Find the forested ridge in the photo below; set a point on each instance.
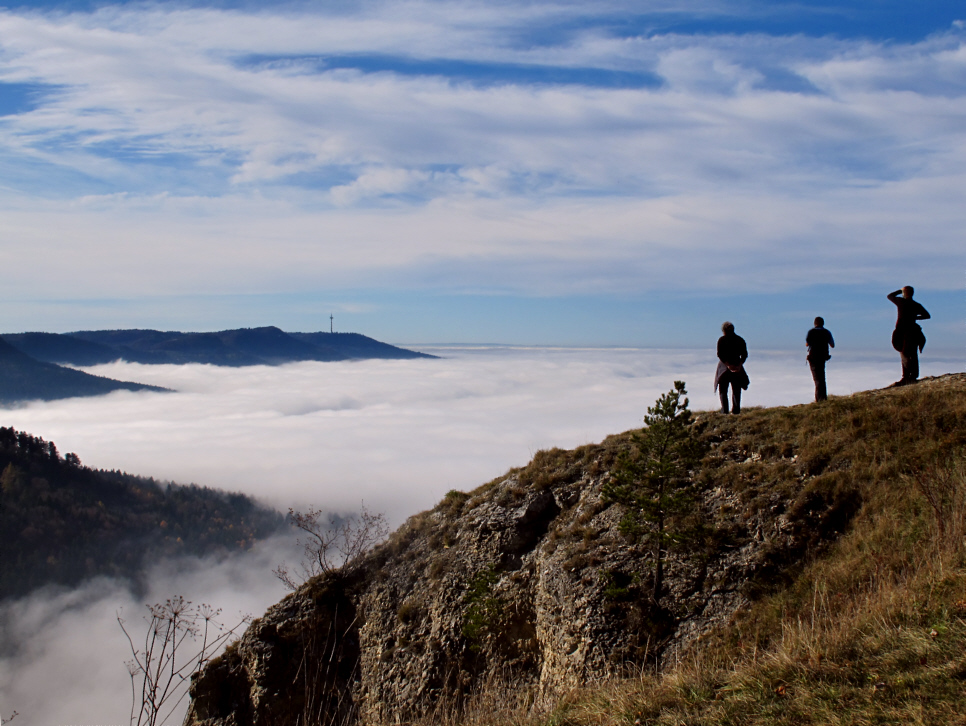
(240, 347)
(32, 364)
(62, 522)
(25, 378)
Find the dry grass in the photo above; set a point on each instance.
(873, 634)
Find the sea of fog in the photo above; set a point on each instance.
(395, 434)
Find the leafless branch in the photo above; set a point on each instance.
(331, 543)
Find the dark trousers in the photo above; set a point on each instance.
(726, 382)
(907, 340)
(818, 375)
(910, 362)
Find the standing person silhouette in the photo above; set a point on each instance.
(908, 337)
(819, 340)
(732, 354)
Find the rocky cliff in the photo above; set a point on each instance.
(528, 583)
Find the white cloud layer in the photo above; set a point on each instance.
(63, 653)
(398, 434)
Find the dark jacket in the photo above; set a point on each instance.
(908, 334)
(732, 353)
(819, 340)
(909, 311)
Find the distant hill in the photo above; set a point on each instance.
(241, 347)
(61, 522)
(354, 345)
(24, 378)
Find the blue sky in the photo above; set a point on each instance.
(557, 173)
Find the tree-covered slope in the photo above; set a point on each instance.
(62, 522)
(57, 348)
(240, 347)
(356, 346)
(23, 378)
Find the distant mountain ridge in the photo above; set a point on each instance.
(240, 347)
(24, 378)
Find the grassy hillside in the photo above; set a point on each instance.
(868, 628)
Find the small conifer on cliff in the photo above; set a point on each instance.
(652, 479)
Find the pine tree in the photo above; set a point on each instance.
(652, 478)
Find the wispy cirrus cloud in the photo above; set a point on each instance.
(177, 84)
(540, 148)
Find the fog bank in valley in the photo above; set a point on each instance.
(63, 654)
(397, 434)
(400, 434)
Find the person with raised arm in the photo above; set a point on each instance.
(908, 338)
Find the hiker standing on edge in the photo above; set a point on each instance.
(732, 354)
(908, 337)
(819, 340)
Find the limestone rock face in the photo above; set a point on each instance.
(527, 581)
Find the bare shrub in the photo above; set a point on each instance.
(330, 543)
(181, 638)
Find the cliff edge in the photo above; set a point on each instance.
(527, 584)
